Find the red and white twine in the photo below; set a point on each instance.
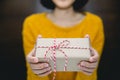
(59, 47)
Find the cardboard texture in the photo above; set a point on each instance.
(45, 47)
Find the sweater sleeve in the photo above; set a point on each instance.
(28, 45)
(28, 40)
(98, 41)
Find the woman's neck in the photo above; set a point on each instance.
(65, 17)
(63, 13)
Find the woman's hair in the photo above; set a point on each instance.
(77, 5)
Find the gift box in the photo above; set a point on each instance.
(63, 54)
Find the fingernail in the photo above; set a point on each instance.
(35, 60)
(39, 36)
(46, 65)
(82, 63)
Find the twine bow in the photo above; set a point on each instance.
(53, 49)
(59, 46)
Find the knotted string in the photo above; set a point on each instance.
(53, 48)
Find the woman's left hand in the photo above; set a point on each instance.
(89, 66)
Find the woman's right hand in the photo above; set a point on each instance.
(38, 67)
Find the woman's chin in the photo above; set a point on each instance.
(63, 7)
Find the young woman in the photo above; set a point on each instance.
(66, 20)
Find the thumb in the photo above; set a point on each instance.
(31, 57)
(39, 36)
(94, 55)
(87, 36)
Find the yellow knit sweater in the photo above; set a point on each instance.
(39, 24)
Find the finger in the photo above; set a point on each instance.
(31, 57)
(94, 55)
(86, 72)
(42, 71)
(39, 65)
(88, 65)
(39, 36)
(32, 52)
(87, 36)
(46, 73)
(86, 69)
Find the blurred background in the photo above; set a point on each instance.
(12, 14)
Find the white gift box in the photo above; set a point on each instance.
(63, 52)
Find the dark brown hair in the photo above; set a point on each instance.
(77, 5)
